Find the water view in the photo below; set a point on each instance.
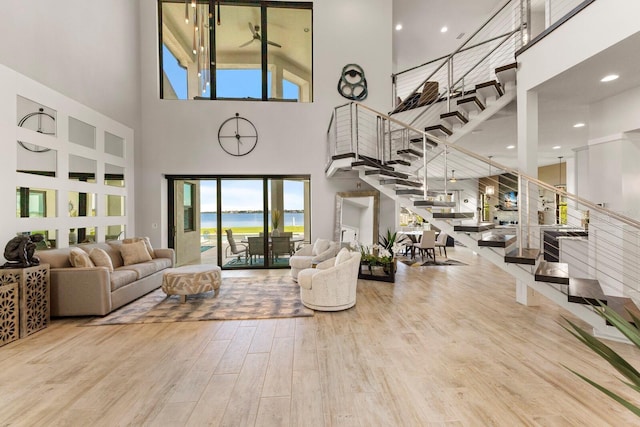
(247, 219)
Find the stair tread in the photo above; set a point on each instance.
(368, 163)
(409, 152)
(387, 172)
(493, 84)
(497, 240)
(585, 291)
(438, 203)
(452, 215)
(553, 272)
(473, 227)
(454, 115)
(401, 182)
(472, 100)
(526, 256)
(398, 162)
(441, 128)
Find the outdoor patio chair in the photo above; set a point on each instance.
(256, 248)
(238, 249)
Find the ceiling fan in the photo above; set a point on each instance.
(255, 31)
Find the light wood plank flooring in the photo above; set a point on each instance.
(441, 346)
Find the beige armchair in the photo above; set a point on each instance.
(309, 255)
(331, 286)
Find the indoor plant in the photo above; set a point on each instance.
(629, 330)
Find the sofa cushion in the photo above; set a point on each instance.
(100, 258)
(320, 246)
(79, 258)
(111, 250)
(343, 256)
(147, 243)
(121, 277)
(134, 253)
(142, 269)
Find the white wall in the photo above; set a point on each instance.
(180, 137)
(85, 50)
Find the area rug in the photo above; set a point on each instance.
(442, 263)
(238, 298)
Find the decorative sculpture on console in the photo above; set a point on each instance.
(19, 251)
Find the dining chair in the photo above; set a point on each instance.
(427, 244)
(280, 246)
(256, 248)
(441, 242)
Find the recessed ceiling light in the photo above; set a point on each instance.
(398, 27)
(609, 78)
(578, 125)
(444, 29)
(556, 147)
(510, 147)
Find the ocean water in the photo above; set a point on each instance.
(209, 219)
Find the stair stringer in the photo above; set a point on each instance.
(525, 274)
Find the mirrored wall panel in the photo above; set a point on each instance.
(82, 204)
(82, 169)
(35, 202)
(35, 116)
(115, 205)
(49, 240)
(82, 133)
(82, 235)
(37, 163)
(113, 175)
(113, 145)
(115, 232)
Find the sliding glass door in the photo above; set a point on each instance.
(241, 221)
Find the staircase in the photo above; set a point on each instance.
(587, 254)
(414, 166)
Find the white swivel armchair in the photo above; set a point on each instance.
(331, 286)
(309, 255)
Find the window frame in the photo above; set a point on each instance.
(264, 7)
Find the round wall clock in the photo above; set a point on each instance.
(41, 122)
(237, 136)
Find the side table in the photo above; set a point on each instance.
(34, 297)
(9, 317)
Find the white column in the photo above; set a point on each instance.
(528, 164)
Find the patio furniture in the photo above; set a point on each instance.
(234, 248)
(256, 248)
(280, 246)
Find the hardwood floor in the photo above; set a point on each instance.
(441, 346)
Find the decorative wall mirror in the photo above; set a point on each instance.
(357, 217)
(82, 133)
(113, 175)
(113, 145)
(82, 169)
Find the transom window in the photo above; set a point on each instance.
(234, 49)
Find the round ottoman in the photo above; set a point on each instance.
(190, 280)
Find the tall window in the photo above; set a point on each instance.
(236, 49)
(189, 199)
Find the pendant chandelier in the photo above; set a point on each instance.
(195, 13)
(490, 190)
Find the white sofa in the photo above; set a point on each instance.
(307, 256)
(331, 286)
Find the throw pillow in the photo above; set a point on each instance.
(134, 253)
(320, 246)
(79, 258)
(146, 241)
(100, 258)
(343, 256)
